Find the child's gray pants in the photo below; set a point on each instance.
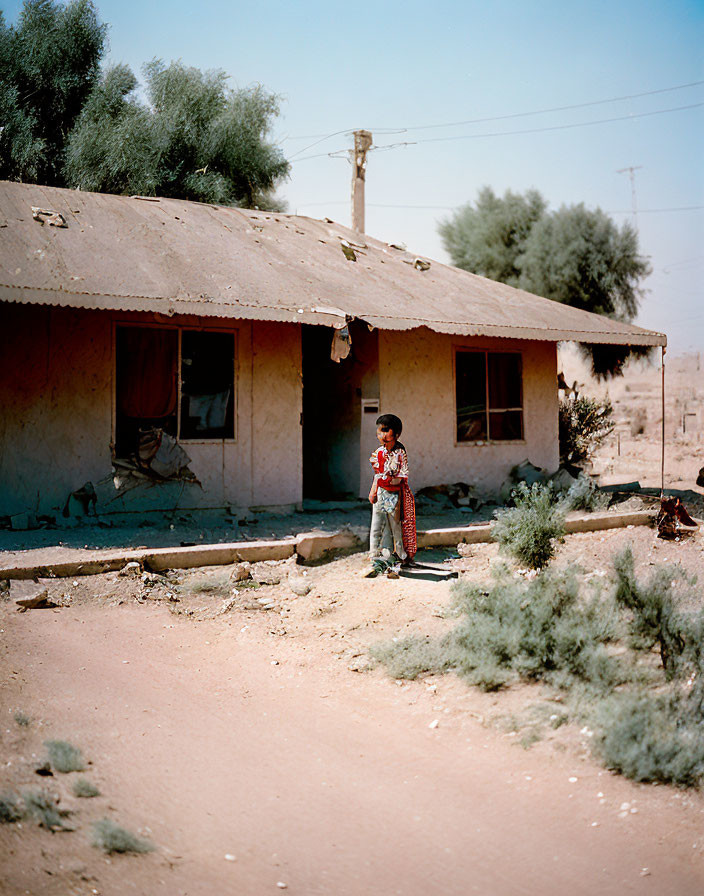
(385, 531)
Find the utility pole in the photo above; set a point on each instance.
(362, 145)
(631, 173)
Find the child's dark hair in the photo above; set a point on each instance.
(392, 422)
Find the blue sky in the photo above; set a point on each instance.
(395, 67)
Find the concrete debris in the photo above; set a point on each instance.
(29, 595)
(269, 572)
(564, 478)
(528, 472)
(299, 586)
(81, 502)
(524, 472)
(314, 546)
(38, 602)
(23, 521)
(48, 216)
(457, 494)
(231, 602)
(133, 568)
(241, 572)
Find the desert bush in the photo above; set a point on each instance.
(64, 757)
(10, 808)
(44, 808)
(584, 424)
(539, 629)
(584, 494)
(22, 719)
(529, 530)
(83, 788)
(655, 618)
(110, 837)
(410, 657)
(638, 420)
(652, 738)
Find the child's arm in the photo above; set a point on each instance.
(402, 472)
(374, 461)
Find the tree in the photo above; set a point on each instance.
(489, 239)
(196, 139)
(577, 256)
(49, 63)
(580, 257)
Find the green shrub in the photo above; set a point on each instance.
(10, 808)
(584, 494)
(44, 808)
(409, 657)
(539, 629)
(652, 738)
(529, 530)
(83, 788)
(110, 837)
(655, 617)
(64, 757)
(583, 425)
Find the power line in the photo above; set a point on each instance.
(449, 124)
(561, 127)
(681, 208)
(616, 99)
(556, 127)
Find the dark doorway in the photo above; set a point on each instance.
(332, 410)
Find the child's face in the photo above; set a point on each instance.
(386, 437)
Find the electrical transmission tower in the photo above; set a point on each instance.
(631, 174)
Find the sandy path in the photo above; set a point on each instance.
(311, 775)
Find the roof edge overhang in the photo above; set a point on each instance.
(318, 315)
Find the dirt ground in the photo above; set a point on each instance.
(252, 725)
(243, 729)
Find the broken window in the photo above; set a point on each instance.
(207, 385)
(146, 387)
(489, 396)
(150, 393)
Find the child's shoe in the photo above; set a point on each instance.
(377, 567)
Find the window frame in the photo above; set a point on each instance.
(181, 328)
(488, 410)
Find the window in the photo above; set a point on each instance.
(197, 404)
(489, 396)
(207, 385)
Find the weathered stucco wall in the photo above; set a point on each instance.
(277, 463)
(417, 384)
(56, 416)
(55, 404)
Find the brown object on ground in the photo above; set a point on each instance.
(673, 520)
(700, 478)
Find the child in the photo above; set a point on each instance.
(389, 494)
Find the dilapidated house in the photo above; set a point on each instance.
(158, 353)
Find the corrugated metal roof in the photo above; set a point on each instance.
(178, 257)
